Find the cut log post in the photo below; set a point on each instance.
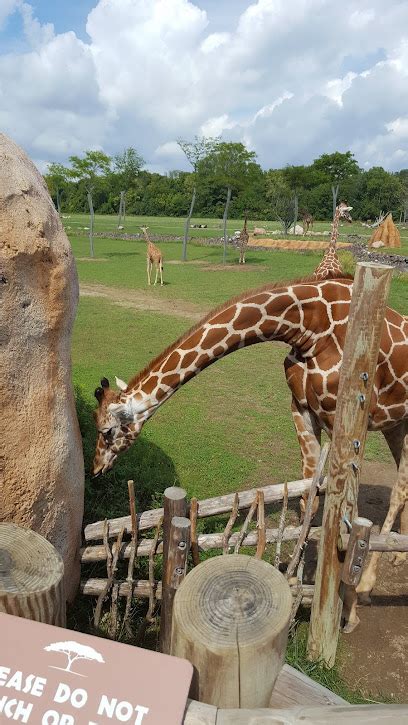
(230, 620)
(31, 576)
(361, 347)
(173, 574)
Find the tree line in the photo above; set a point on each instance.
(226, 179)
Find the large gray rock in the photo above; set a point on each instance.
(43, 482)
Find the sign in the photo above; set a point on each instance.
(54, 676)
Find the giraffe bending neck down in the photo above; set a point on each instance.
(311, 316)
(330, 265)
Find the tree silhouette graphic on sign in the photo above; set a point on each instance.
(74, 651)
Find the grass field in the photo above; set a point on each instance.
(228, 429)
(175, 226)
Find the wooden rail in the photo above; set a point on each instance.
(207, 507)
(392, 542)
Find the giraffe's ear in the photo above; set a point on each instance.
(120, 383)
(348, 208)
(121, 411)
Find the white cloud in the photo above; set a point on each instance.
(154, 70)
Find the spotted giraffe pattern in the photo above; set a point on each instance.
(311, 317)
(330, 265)
(307, 221)
(243, 242)
(154, 258)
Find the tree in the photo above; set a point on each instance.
(231, 166)
(195, 151)
(281, 198)
(74, 651)
(127, 166)
(336, 167)
(56, 179)
(93, 165)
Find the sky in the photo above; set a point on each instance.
(291, 79)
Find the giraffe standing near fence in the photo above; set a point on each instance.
(154, 257)
(243, 241)
(311, 316)
(330, 265)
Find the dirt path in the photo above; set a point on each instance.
(293, 244)
(375, 655)
(139, 300)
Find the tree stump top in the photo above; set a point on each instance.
(28, 562)
(233, 599)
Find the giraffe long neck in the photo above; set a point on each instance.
(284, 314)
(335, 229)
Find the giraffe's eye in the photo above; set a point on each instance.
(107, 434)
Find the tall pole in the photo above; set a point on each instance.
(361, 348)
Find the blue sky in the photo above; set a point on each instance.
(292, 80)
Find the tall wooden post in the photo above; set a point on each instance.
(174, 504)
(362, 344)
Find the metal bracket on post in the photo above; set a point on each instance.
(357, 551)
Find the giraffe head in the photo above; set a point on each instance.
(116, 424)
(345, 211)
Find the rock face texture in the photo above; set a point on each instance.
(43, 474)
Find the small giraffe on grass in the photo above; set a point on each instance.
(154, 257)
(243, 241)
(308, 221)
(330, 265)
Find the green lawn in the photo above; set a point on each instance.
(231, 426)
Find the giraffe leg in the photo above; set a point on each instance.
(157, 274)
(148, 271)
(395, 440)
(308, 432)
(399, 496)
(161, 274)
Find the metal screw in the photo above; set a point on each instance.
(356, 445)
(179, 570)
(362, 544)
(361, 397)
(356, 568)
(364, 376)
(182, 545)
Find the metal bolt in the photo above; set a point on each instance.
(364, 376)
(182, 545)
(362, 544)
(361, 398)
(356, 568)
(356, 445)
(179, 570)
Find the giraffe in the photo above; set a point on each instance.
(243, 241)
(154, 256)
(307, 221)
(309, 315)
(330, 264)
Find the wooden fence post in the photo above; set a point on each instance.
(230, 620)
(174, 504)
(362, 344)
(173, 575)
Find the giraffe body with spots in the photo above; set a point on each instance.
(311, 316)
